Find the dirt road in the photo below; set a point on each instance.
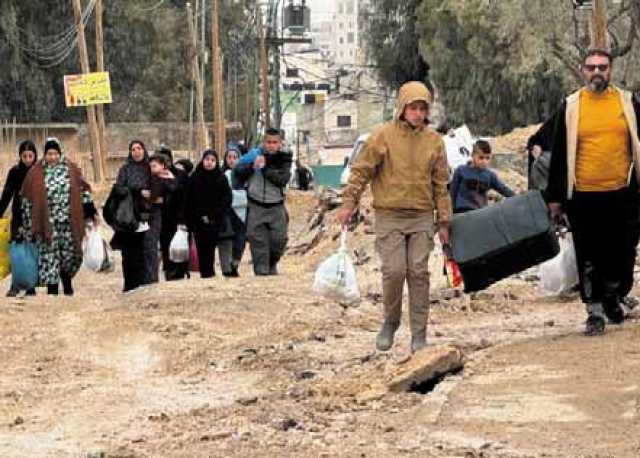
(262, 367)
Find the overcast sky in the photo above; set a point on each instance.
(320, 9)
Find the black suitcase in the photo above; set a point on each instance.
(501, 240)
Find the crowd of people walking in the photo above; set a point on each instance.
(229, 199)
(215, 202)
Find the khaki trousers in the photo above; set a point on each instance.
(404, 241)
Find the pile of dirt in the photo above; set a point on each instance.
(515, 141)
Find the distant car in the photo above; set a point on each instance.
(348, 161)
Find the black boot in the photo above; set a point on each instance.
(31, 292)
(612, 310)
(66, 285)
(595, 321)
(12, 293)
(52, 289)
(612, 303)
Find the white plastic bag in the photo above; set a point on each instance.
(336, 277)
(560, 274)
(179, 248)
(93, 252)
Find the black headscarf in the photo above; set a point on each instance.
(22, 168)
(203, 178)
(135, 175)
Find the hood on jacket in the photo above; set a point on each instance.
(53, 143)
(410, 92)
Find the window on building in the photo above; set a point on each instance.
(293, 72)
(351, 37)
(341, 25)
(344, 121)
(341, 40)
(340, 8)
(350, 7)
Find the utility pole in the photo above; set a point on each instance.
(218, 83)
(235, 94)
(600, 34)
(264, 74)
(276, 95)
(91, 113)
(202, 140)
(276, 67)
(102, 125)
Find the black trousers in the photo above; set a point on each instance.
(206, 241)
(239, 238)
(133, 260)
(605, 235)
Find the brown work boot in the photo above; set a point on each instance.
(384, 340)
(418, 340)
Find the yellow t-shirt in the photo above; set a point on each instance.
(603, 159)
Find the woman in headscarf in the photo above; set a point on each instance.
(207, 204)
(56, 205)
(27, 155)
(135, 175)
(171, 217)
(238, 212)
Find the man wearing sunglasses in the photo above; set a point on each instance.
(593, 178)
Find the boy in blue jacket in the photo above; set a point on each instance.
(472, 182)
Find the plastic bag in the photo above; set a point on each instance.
(24, 265)
(194, 263)
(179, 248)
(336, 277)
(93, 251)
(107, 264)
(5, 241)
(560, 274)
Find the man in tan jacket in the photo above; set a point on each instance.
(405, 162)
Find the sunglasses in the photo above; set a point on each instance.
(592, 68)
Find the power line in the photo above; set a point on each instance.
(53, 54)
(152, 8)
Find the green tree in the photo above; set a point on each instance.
(145, 53)
(392, 41)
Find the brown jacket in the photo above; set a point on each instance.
(34, 190)
(406, 166)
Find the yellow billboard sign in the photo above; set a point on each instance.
(87, 89)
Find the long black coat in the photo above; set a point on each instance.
(11, 193)
(208, 195)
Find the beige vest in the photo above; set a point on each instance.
(572, 121)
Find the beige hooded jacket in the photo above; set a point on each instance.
(406, 166)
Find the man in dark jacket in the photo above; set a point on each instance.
(595, 165)
(266, 171)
